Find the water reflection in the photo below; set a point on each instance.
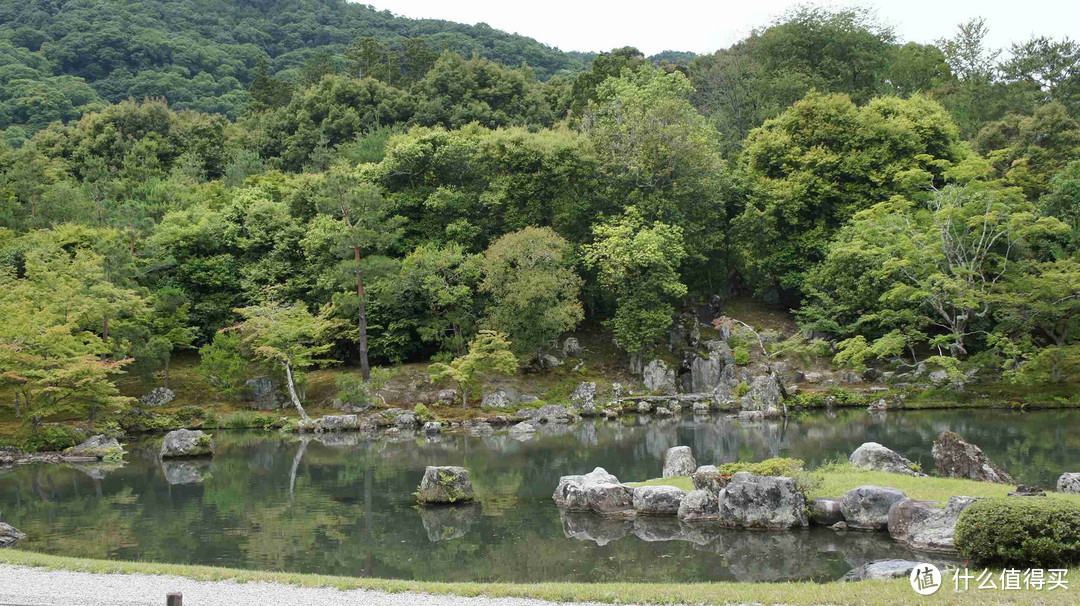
(343, 504)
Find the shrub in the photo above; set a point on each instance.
(49, 438)
(1020, 532)
(742, 389)
(770, 467)
(742, 356)
(353, 390)
(222, 364)
(190, 413)
(422, 413)
(246, 419)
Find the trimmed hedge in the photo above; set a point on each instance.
(769, 467)
(1020, 532)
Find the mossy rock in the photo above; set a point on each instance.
(445, 485)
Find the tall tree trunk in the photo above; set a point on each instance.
(292, 391)
(365, 367)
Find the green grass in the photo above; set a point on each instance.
(868, 593)
(836, 479)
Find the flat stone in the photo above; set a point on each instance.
(880, 570)
(658, 500)
(923, 526)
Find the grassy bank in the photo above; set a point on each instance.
(836, 479)
(870, 593)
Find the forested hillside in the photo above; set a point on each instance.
(388, 200)
(203, 54)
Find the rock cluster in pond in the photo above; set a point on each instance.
(158, 396)
(956, 458)
(445, 485)
(874, 456)
(923, 526)
(679, 461)
(187, 443)
(1069, 482)
(97, 448)
(10, 536)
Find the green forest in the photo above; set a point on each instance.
(309, 183)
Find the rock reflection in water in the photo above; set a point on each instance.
(187, 471)
(448, 522)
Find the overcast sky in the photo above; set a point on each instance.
(707, 25)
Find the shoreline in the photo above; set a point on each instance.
(806, 593)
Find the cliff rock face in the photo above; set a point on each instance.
(956, 458)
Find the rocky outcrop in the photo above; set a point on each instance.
(97, 447)
(187, 443)
(880, 570)
(708, 477)
(699, 505)
(707, 372)
(432, 428)
(571, 348)
(503, 397)
(523, 430)
(610, 499)
(158, 396)
(263, 394)
(658, 377)
(658, 500)
(679, 461)
(1069, 482)
(335, 423)
(923, 526)
(874, 456)
(567, 484)
(867, 507)
(765, 395)
(445, 485)
(956, 458)
(750, 501)
(584, 397)
(825, 512)
(10, 536)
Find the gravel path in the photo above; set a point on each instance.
(24, 586)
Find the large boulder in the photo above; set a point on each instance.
(750, 501)
(10, 536)
(699, 505)
(187, 443)
(263, 393)
(333, 423)
(552, 413)
(158, 396)
(867, 507)
(880, 570)
(597, 476)
(503, 397)
(679, 461)
(764, 396)
(708, 477)
(658, 500)
(707, 372)
(825, 512)
(584, 396)
(1069, 482)
(872, 455)
(571, 347)
(97, 447)
(923, 526)
(610, 499)
(658, 377)
(956, 458)
(446, 484)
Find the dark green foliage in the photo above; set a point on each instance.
(1020, 532)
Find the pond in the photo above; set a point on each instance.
(344, 505)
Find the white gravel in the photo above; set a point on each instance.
(25, 586)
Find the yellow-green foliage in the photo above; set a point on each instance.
(1020, 533)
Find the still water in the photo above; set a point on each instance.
(343, 505)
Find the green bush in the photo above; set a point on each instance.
(422, 413)
(190, 413)
(742, 356)
(49, 438)
(742, 389)
(1020, 532)
(778, 466)
(246, 419)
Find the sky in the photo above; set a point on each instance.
(704, 26)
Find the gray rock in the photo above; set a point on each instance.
(336, 423)
(663, 411)
(880, 570)
(610, 499)
(263, 394)
(584, 395)
(571, 348)
(481, 429)
(97, 447)
(658, 377)
(445, 484)
(956, 458)
(503, 397)
(658, 500)
(432, 427)
(699, 505)
(708, 477)
(701, 408)
(406, 420)
(867, 507)
(10, 536)
(825, 512)
(679, 461)
(553, 413)
(187, 443)
(750, 501)
(1069, 482)
(874, 456)
(524, 429)
(597, 476)
(644, 408)
(922, 526)
(447, 396)
(158, 396)
(939, 377)
(764, 396)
